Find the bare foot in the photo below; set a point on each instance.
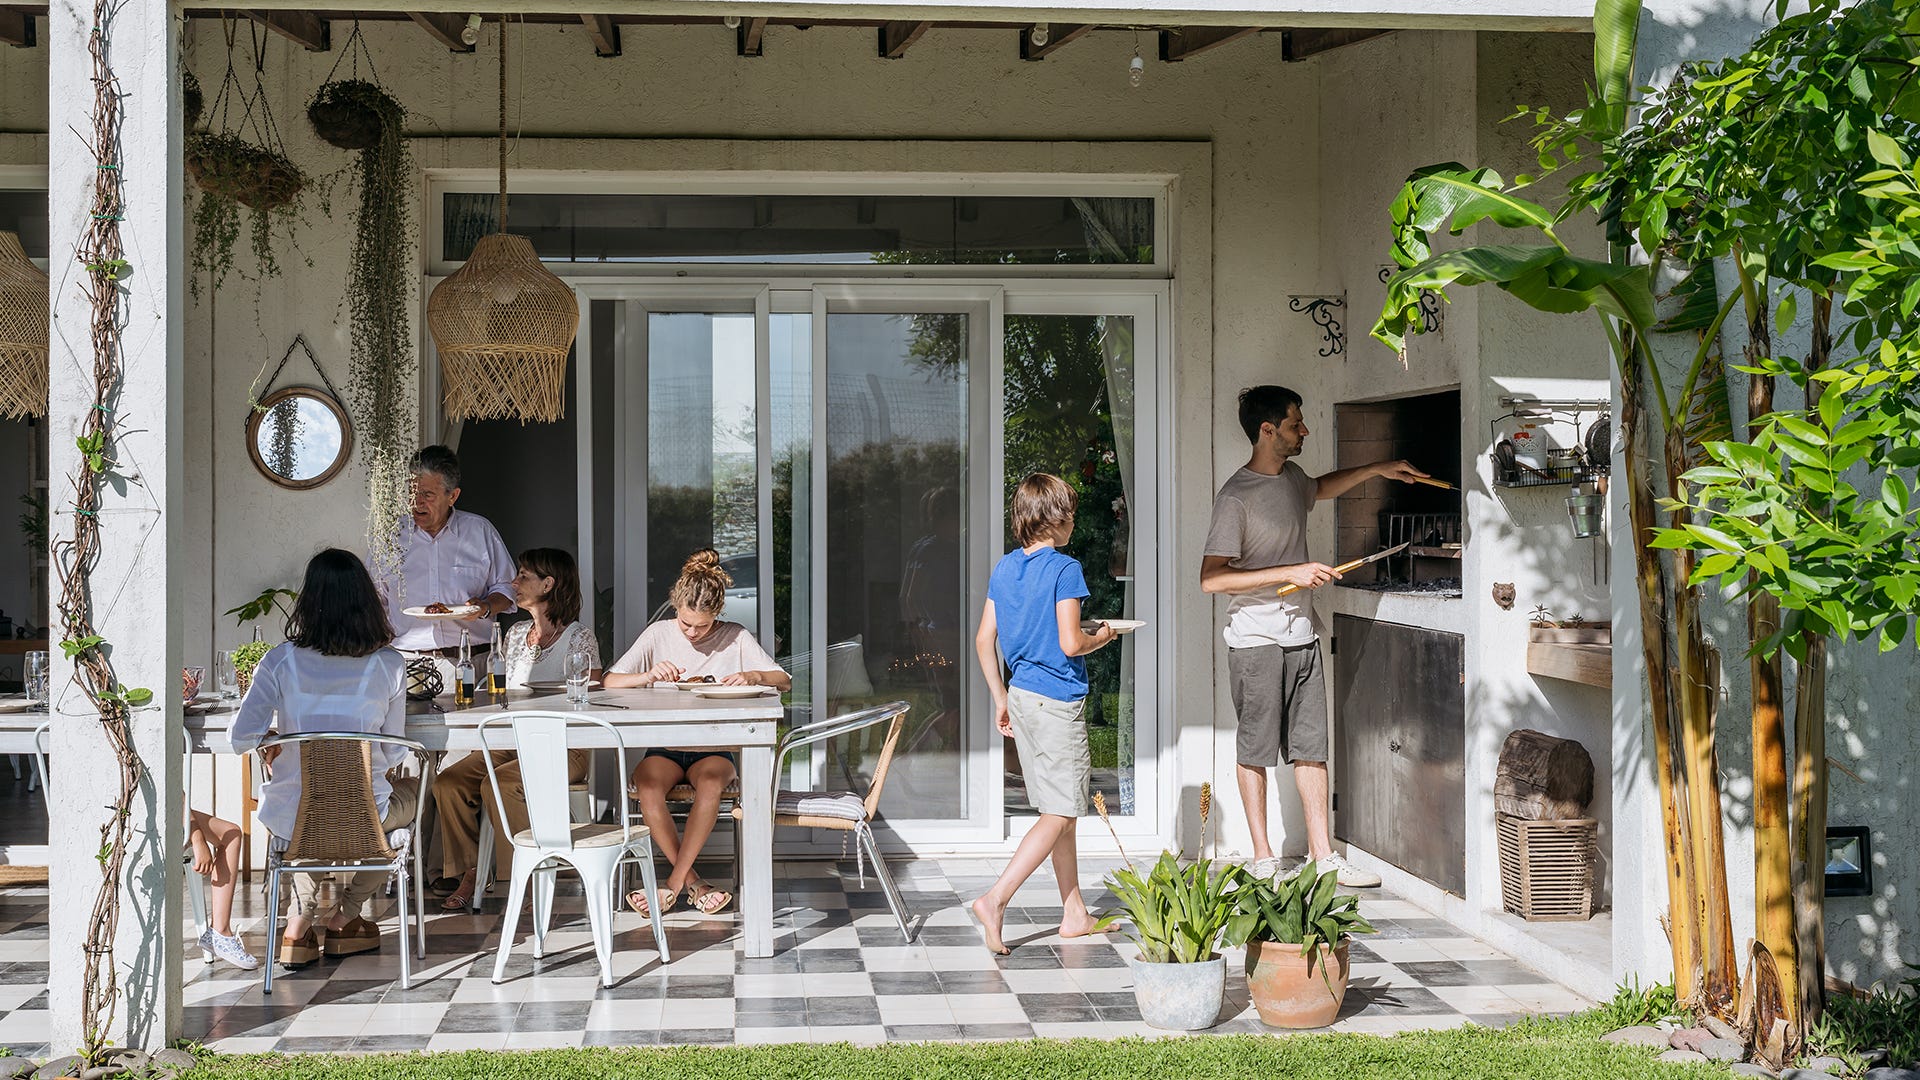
(1080, 927)
(990, 918)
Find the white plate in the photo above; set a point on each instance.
(19, 704)
(557, 686)
(463, 611)
(733, 691)
(692, 685)
(1120, 626)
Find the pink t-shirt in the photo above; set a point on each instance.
(727, 650)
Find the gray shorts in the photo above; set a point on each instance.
(1051, 738)
(1280, 698)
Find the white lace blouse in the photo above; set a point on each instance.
(547, 663)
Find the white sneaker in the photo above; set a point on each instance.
(229, 949)
(1351, 876)
(1264, 869)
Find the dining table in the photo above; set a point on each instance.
(641, 719)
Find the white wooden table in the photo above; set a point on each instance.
(644, 718)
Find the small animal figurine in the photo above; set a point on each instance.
(1503, 595)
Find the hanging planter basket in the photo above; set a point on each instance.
(192, 101)
(352, 114)
(23, 332)
(503, 325)
(249, 174)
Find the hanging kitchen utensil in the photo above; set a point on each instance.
(503, 323)
(1598, 443)
(24, 334)
(1356, 564)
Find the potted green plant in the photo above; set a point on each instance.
(1296, 933)
(1176, 914)
(245, 659)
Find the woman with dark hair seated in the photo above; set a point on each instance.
(547, 586)
(335, 672)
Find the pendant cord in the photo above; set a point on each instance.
(503, 123)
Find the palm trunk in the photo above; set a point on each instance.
(1810, 837)
(1683, 930)
(1772, 844)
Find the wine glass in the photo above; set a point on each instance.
(36, 675)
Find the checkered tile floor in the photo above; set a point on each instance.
(842, 972)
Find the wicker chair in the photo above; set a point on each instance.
(844, 811)
(337, 829)
(596, 852)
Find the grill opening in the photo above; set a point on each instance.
(1423, 429)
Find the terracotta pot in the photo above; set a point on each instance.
(1283, 991)
(1180, 997)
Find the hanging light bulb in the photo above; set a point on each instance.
(471, 32)
(731, 22)
(1039, 35)
(1136, 69)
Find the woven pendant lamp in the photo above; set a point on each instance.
(23, 332)
(503, 323)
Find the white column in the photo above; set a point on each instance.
(135, 606)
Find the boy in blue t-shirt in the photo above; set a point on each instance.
(1033, 616)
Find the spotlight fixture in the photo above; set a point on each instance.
(1136, 69)
(471, 32)
(1039, 35)
(731, 22)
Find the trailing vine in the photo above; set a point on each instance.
(103, 256)
(355, 112)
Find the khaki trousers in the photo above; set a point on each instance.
(354, 890)
(461, 792)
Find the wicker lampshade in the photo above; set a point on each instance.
(23, 332)
(503, 323)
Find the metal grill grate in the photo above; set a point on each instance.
(1432, 536)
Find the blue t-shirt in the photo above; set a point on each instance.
(1024, 589)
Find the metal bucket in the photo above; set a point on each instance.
(1585, 510)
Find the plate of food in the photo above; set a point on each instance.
(712, 690)
(694, 682)
(1120, 626)
(200, 704)
(442, 611)
(557, 686)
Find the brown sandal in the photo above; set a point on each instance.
(664, 899)
(701, 897)
(357, 936)
(299, 952)
(461, 897)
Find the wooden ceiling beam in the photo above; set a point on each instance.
(1190, 41)
(1057, 36)
(443, 28)
(897, 37)
(752, 37)
(16, 29)
(1301, 44)
(605, 34)
(303, 28)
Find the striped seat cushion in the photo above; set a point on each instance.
(844, 805)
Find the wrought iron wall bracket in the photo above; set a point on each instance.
(1321, 310)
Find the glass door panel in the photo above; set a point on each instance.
(897, 415)
(1069, 401)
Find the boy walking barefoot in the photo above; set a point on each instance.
(1033, 615)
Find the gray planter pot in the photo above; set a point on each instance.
(1180, 997)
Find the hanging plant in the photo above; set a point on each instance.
(356, 114)
(192, 101)
(240, 164)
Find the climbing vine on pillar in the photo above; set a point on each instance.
(74, 557)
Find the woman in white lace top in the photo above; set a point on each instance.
(546, 586)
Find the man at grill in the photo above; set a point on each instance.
(1257, 543)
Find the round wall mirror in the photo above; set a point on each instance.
(299, 437)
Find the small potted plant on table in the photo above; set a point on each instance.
(1296, 933)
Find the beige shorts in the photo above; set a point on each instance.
(1051, 739)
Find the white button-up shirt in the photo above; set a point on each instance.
(467, 560)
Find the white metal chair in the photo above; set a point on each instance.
(845, 811)
(579, 802)
(337, 830)
(552, 838)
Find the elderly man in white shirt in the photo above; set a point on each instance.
(447, 556)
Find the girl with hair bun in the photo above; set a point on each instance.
(696, 643)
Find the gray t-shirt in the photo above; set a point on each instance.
(1261, 521)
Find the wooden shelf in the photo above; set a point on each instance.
(1582, 655)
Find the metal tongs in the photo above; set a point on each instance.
(1354, 565)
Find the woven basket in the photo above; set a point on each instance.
(1546, 868)
(23, 332)
(503, 325)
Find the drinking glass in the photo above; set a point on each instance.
(36, 675)
(224, 676)
(578, 664)
(191, 678)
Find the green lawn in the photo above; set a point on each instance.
(1533, 1050)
